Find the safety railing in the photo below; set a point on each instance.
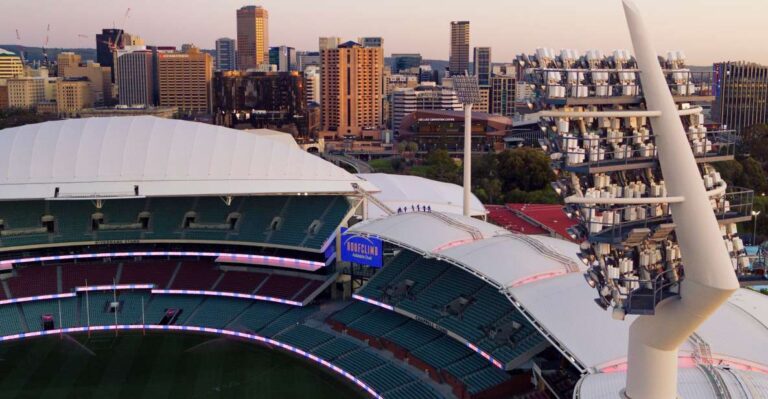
(601, 151)
(737, 202)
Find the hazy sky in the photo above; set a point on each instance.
(706, 30)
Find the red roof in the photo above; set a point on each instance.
(506, 218)
(549, 217)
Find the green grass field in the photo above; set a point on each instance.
(159, 366)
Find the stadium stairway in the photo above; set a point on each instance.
(442, 357)
(436, 285)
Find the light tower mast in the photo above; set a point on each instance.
(468, 92)
(709, 275)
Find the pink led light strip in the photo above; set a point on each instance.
(479, 351)
(228, 295)
(290, 263)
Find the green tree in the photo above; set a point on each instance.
(753, 176)
(13, 117)
(441, 167)
(525, 169)
(755, 143)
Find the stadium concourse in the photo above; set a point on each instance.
(141, 223)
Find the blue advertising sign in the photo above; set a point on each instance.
(362, 250)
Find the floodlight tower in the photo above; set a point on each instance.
(709, 275)
(468, 92)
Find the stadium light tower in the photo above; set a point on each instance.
(468, 92)
(709, 275)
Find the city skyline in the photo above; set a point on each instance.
(712, 30)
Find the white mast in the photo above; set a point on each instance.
(709, 276)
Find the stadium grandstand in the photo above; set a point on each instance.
(113, 225)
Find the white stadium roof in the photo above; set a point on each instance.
(553, 294)
(406, 191)
(103, 157)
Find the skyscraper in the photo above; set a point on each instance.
(135, 78)
(185, 80)
(351, 90)
(482, 65)
(741, 94)
(225, 54)
(252, 37)
(106, 41)
(458, 62)
(284, 58)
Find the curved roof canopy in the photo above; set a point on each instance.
(552, 291)
(406, 191)
(108, 157)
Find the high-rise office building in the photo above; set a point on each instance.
(329, 42)
(284, 58)
(741, 94)
(72, 95)
(458, 60)
(260, 100)
(402, 62)
(67, 59)
(371, 41)
(99, 79)
(226, 56)
(312, 83)
(252, 37)
(135, 79)
(10, 65)
(351, 90)
(106, 42)
(482, 65)
(185, 80)
(503, 95)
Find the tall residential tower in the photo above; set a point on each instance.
(351, 89)
(458, 62)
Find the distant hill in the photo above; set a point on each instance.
(36, 53)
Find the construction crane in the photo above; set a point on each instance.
(119, 37)
(45, 44)
(21, 46)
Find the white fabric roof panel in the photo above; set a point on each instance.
(563, 303)
(692, 383)
(108, 156)
(491, 257)
(404, 191)
(424, 231)
(739, 329)
(565, 307)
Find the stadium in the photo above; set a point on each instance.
(118, 234)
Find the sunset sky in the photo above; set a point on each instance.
(706, 30)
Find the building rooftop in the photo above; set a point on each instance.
(119, 156)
